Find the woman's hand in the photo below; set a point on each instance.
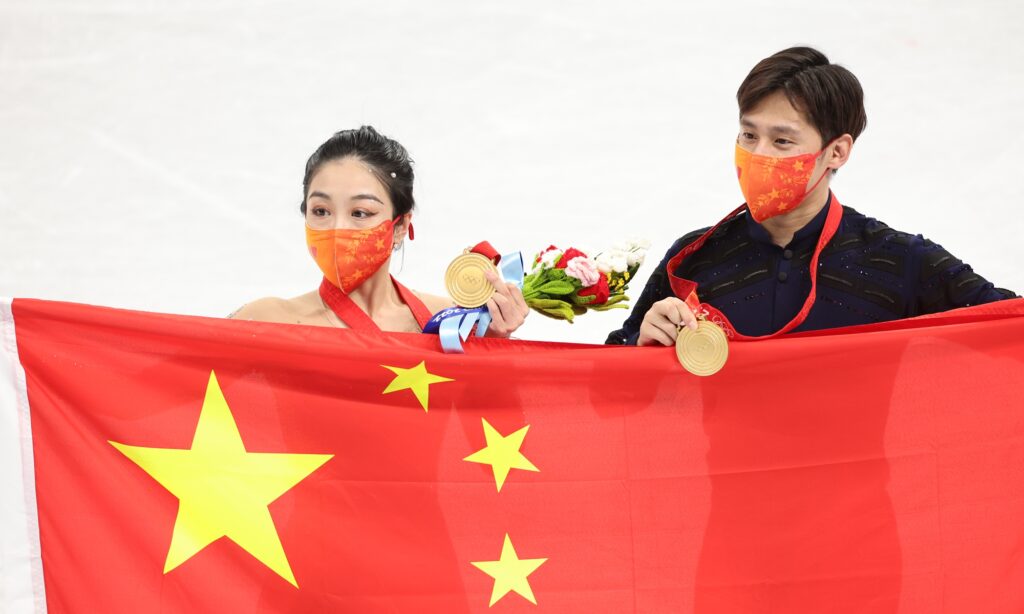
(507, 307)
(662, 321)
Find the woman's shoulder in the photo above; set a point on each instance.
(434, 303)
(274, 309)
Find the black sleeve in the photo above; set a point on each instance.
(656, 289)
(946, 282)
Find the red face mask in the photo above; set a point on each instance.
(349, 257)
(775, 186)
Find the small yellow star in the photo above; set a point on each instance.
(223, 490)
(798, 165)
(417, 379)
(510, 573)
(502, 453)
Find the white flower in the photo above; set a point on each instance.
(583, 269)
(549, 258)
(639, 243)
(635, 257)
(613, 260)
(621, 246)
(618, 261)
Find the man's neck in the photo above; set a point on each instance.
(781, 228)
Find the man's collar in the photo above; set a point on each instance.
(811, 229)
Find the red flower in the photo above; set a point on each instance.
(599, 291)
(569, 254)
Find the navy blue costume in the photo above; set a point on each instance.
(867, 273)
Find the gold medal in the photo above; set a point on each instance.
(703, 351)
(465, 279)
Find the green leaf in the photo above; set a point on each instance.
(616, 298)
(531, 280)
(557, 288)
(547, 303)
(558, 314)
(576, 299)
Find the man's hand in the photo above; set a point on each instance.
(662, 321)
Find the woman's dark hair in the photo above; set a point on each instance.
(387, 159)
(827, 94)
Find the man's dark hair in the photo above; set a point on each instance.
(388, 160)
(828, 95)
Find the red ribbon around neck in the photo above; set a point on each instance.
(687, 289)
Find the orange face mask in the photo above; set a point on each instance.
(349, 257)
(774, 186)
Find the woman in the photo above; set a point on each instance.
(357, 201)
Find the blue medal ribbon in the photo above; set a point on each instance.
(456, 324)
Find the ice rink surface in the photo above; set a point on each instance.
(151, 153)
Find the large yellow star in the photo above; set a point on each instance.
(510, 573)
(502, 453)
(222, 490)
(417, 379)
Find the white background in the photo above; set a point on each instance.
(151, 152)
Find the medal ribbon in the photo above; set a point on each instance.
(687, 289)
(456, 324)
(486, 250)
(356, 319)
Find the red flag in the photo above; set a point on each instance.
(185, 464)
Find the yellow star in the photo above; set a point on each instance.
(798, 165)
(510, 573)
(502, 453)
(222, 490)
(417, 379)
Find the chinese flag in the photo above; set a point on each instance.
(159, 463)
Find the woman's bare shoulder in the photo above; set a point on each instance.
(434, 303)
(273, 309)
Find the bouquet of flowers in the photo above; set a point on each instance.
(565, 284)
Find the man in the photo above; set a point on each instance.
(799, 118)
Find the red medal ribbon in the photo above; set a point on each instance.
(355, 318)
(687, 290)
(486, 250)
